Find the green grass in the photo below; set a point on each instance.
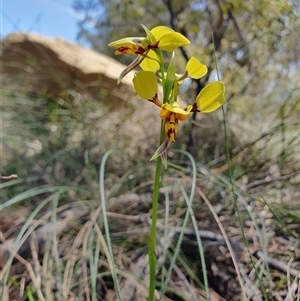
(56, 150)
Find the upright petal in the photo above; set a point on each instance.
(195, 69)
(211, 97)
(145, 84)
(169, 39)
(160, 31)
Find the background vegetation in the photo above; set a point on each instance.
(254, 197)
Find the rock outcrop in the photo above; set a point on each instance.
(56, 67)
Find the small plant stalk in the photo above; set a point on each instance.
(152, 235)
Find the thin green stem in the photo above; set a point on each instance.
(152, 235)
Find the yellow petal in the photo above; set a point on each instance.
(160, 31)
(126, 42)
(130, 45)
(164, 113)
(168, 39)
(176, 109)
(145, 84)
(171, 41)
(211, 97)
(187, 111)
(195, 69)
(150, 63)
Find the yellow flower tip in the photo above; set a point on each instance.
(171, 136)
(211, 97)
(145, 84)
(195, 69)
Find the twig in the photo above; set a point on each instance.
(32, 275)
(274, 263)
(278, 265)
(271, 180)
(9, 178)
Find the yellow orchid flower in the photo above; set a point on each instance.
(172, 114)
(208, 100)
(160, 37)
(149, 57)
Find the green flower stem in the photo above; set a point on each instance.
(162, 70)
(152, 235)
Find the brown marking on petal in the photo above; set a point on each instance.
(154, 45)
(135, 49)
(156, 101)
(173, 119)
(123, 49)
(171, 134)
(195, 108)
(171, 126)
(140, 50)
